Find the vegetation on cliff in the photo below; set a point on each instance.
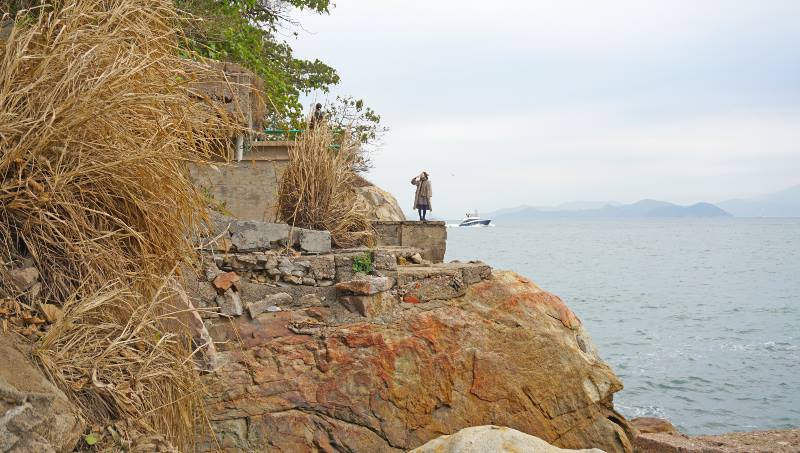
(98, 120)
(317, 190)
(248, 32)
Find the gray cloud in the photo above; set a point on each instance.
(534, 102)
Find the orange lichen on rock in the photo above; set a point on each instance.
(505, 353)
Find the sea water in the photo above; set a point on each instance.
(699, 318)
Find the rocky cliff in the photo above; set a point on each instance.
(381, 204)
(449, 347)
(34, 414)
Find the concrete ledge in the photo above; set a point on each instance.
(430, 237)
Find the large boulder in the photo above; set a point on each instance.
(381, 204)
(496, 439)
(504, 352)
(34, 414)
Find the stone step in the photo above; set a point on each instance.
(275, 269)
(413, 284)
(302, 296)
(272, 267)
(422, 283)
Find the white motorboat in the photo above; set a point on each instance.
(474, 220)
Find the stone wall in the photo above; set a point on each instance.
(247, 189)
(430, 237)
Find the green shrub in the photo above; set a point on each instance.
(362, 264)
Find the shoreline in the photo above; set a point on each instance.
(655, 435)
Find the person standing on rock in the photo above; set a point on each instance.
(422, 198)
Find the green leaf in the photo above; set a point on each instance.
(90, 439)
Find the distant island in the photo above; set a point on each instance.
(785, 203)
(640, 209)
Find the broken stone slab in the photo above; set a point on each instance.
(368, 306)
(651, 425)
(310, 300)
(312, 241)
(211, 271)
(254, 292)
(266, 260)
(190, 320)
(230, 304)
(438, 282)
(366, 286)
(286, 266)
(270, 303)
(343, 262)
(251, 236)
(474, 272)
(225, 281)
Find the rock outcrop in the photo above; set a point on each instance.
(650, 425)
(495, 439)
(381, 204)
(449, 347)
(34, 414)
(777, 441)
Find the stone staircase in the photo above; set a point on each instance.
(260, 277)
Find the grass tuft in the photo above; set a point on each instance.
(317, 189)
(99, 117)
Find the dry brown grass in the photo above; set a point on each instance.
(97, 124)
(317, 189)
(115, 359)
(96, 127)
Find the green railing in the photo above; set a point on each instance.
(286, 134)
(277, 134)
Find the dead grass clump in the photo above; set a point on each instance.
(96, 128)
(111, 353)
(316, 190)
(98, 121)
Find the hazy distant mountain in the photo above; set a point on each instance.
(785, 203)
(505, 211)
(640, 209)
(580, 205)
(569, 206)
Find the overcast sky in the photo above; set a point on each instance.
(542, 102)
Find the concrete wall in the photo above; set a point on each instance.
(248, 189)
(431, 237)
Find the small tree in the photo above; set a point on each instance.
(360, 124)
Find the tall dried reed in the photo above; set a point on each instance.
(317, 189)
(98, 120)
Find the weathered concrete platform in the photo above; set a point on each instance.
(430, 237)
